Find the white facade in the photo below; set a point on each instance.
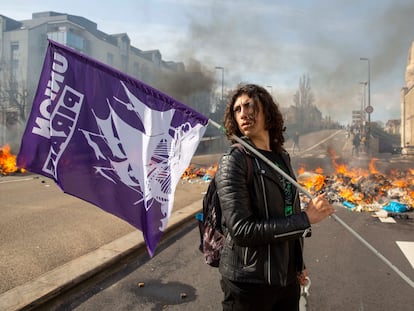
(22, 50)
(407, 106)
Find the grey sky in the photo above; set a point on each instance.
(272, 43)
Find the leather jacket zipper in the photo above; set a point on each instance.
(267, 217)
(303, 232)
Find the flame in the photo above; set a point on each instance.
(400, 183)
(211, 171)
(8, 161)
(193, 172)
(319, 170)
(312, 181)
(371, 166)
(339, 168)
(301, 170)
(363, 187)
(411, 194)
(367, 188)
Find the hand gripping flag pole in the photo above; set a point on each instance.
(300, 188)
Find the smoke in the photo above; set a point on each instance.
(193, 86)
(275, 44)
(183, 85)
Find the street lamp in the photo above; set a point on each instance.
(270, 89)
(369, 108)
(222, 80)
(363, 101)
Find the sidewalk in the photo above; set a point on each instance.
(72, 273)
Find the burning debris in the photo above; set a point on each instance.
(363, 190)
(8, 162)
(206, 174)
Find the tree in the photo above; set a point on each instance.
(304, 96)
(307, 115)
(13, 104)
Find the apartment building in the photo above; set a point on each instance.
(22, 49)
(407, 106)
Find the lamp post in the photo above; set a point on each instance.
(363, 102)
(270, 89)
(222, 80)
(25, 94)
(369, 108)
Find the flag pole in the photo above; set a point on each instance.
(299, 187)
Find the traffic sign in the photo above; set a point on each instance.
(369, 109)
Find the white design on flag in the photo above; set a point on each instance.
(145, 161)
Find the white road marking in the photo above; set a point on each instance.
(370, 247)
(389, 220)
(16, 180)
(321, 142)
(408, 250)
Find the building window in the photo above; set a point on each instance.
(14, 50)
(75, 41)
(68, 38)
(124, 60)
(14, 55)
(58, 36)
(110, 59)
(124, 46)
(136, 70)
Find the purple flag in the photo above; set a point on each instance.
(109, 139)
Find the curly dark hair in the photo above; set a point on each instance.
(273, 117)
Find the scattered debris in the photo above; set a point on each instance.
(364, 190)
(8, 162)
(385, 214)
(357, 189)
(201, 172)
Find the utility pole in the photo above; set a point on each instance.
(222, 81)
(369, 109)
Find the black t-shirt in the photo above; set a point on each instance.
(288, 194)
(287, 186)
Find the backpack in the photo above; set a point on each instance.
(209, 220)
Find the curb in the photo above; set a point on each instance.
(49, 285)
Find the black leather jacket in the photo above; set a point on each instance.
(257, 231)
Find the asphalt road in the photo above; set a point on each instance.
(41, 228)
(345, 274)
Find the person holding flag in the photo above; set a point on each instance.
(261, 263)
